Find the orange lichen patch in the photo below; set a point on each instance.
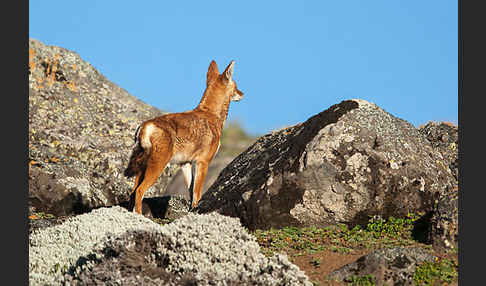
(450, 124)
(31, 59)
(54, 160)
(71, 86)
(51, 67)
(33, 217)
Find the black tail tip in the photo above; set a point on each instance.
(128, 173)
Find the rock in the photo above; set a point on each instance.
(112, 245)
(343, 165)
(187, 252)
(41, 223)
(444, 226)
(444, 137)
(81, 131)
(165, 207)
(391, 266)
(443, 230)
(54, 250)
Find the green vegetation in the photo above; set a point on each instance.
(430, 273)
(316, 262)
(365, 280)
(302, 240)
(393, 228)
(378, 233)
(41, 215)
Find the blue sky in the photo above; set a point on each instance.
(293, 58)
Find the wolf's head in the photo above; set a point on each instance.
(224, 81)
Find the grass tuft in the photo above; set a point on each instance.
(438, 272)
(378, 233)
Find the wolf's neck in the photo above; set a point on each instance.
(216, 104)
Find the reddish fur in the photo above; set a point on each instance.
(191, 136)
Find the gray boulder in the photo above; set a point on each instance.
(81, 133)
(391, 266)
(444, 137)
(343, 165)
(111, 246)
(194, 250)
(56, 249)
(444, 226)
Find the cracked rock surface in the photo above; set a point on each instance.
(111, 246)
(81, 133)
(443, 231)
(390, 266)
(343, 165)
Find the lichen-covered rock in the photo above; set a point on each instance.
(165, 207)
(54, 250)
(443, 231)
(81, 132)
(444, 226)
(202, 249)
(444, 138)
(343, 165)
(391, 266)
(111, 246)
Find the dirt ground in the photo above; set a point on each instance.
(320, 264)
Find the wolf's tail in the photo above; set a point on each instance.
(138, 159)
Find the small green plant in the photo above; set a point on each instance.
(378, 233)
(392, 227)
(41, 215)
(429, 273)
(316, 262)
(365, 280)
(300, 240)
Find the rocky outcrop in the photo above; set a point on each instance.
(343, 165)
(444, 226)
(444, 137)
(81, 133)
(391, 266)
(112, 245)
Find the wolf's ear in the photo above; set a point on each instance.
(212, 72)
(228, 72)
